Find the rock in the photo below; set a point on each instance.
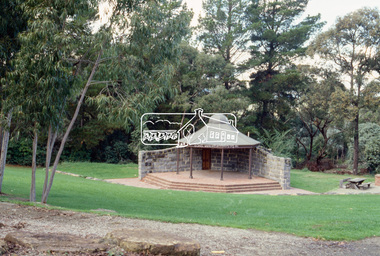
(60, 243)
(153, 242)
(3, 246)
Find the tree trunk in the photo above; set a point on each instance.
(264, 113)
(309, 155)
(4, 148)
(356, 125)
(34, 167)
(322, 152)
(1, 136)
(356, 144)
(49, 151)
(64, 139)
(312, 134)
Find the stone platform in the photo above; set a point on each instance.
(209, 181)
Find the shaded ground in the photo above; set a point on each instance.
(213, 240)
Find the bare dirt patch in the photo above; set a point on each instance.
(213, 240)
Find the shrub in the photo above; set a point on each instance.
(20, 152)
(281, 143)
(76, 155)
(117, 153)
(369, 142)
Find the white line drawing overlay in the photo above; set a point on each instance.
(185, 129)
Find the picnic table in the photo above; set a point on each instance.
(357, 183)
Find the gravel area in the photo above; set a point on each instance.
(213, 240)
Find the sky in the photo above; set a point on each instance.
(329, 9)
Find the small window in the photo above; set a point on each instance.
(216, 135)
(232, 137)
(228, 136)
(211, 134)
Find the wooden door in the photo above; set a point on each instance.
(206, 159)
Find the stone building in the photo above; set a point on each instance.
(218, 145)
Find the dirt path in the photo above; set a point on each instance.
(230, 240)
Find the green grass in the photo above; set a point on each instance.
(318, 182)
(100, 170)
(333, 217)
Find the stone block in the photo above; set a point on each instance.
(377, 180)
(153, 242)
(59, 243)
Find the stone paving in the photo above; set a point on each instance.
(211, 177)
(343, 191)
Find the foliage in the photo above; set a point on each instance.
(196, 75)
(330, 217)
(118, 153)
(281, 143)
(220, 100)
(42, 75)
(278, 38)
(12, 23)
(42, 79)
(316, 113)
(20, 153)
(147, 57)
(369, 134)
(223, 31)
(352, 45)
(76, 154)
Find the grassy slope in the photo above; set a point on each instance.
(100, 170)
(337, 217)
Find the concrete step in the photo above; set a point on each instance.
(230, 188)
(157, 181)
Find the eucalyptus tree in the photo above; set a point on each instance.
(12, 23)
(134, 56)
(316, 111)
(278, 38)
(42, 79)
(223, 31)
(353, 44)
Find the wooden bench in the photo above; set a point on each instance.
(342, 181)
(364, 185)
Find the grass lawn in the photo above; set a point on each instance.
(333, 217)
(100, 170)
(319, 182)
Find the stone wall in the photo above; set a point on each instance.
(264, 164)
(165, 160)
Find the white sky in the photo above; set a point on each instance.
(329, 9)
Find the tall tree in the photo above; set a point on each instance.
(12, 23)
(197, 74)
(42, 76)
(316, 111)
(135, 67)
(353, 44)
(223, 31)
(278, 38)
